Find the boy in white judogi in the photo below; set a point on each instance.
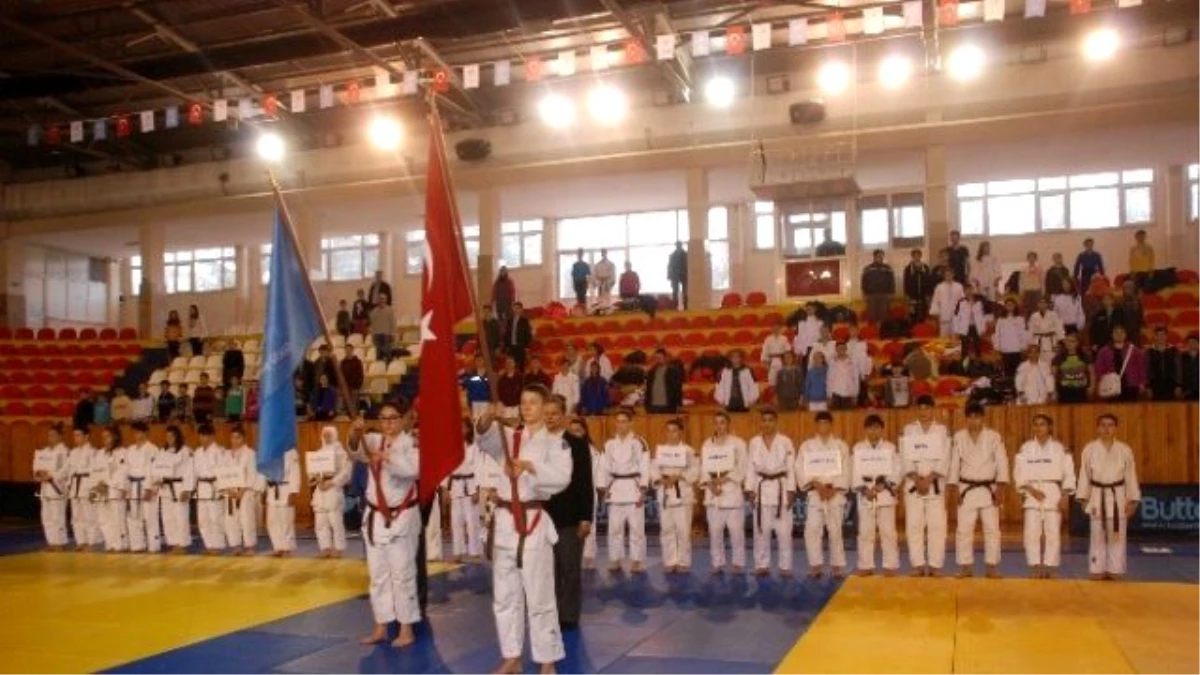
(674, 472)
(329, 471)
(1045, 329)
(589, 544)
(175, 475)
(875, 477)
(823, 472)
(1044, 473)
(433, 528)
(1108, 486)
(538, 466)
(240, 483)
(1034, 380)
(722, 472)
(210, 505)
(84, 523)
(281, 506)
(108, 491)
(808, 332)
(774, 347)
(925, 452)
(624, 480)
(142, 516)
(464, 502)
(945, 300)
(771, 482)
(51, 472)
(978, 477)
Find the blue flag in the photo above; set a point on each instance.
(292, 324)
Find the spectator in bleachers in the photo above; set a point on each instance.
(1072, 372)
(1162, 367)
(85, 409)
(173, 334)
(352, 372)
(324, 400)
(218, 413)
(971, 321)
(504, 294)
(958, 256)
(808, 333)
(789, 383)
(664, 384)
(343, 322)
(774, 347)
(1132, 311)
(121, 407)
(1056, 276)
(535, 374)
(945, 301)
(580, 273)
(1103, 321)
(1088, 264)
(474, 381)
(896, 389)
(825, 344)
(183, 405)
(918, 286)
(600, 359)
(604, 275)
(842, 379)
(970, 364)
(143, 405)
(1189, 368)
(165, 403)
(1122, 358)
(736, 388)
(1045, 329)
(324, 365)
(878, 285)
(383, 325)
(360, 312)
(857, 349)
(101, 411)
(593, 393)
(829, 246)
(1068, 305)
(233, 363)
(379, 291)
(985, 273)
(677, 274)
(629, 287)
(1031, 283)
(196, 330)
(1034, 381)
(578, 362)
(251, 402)
(1010, 337)
(1141, 257)
(235, 400)
(816, 383)
(300, 397)
(508, 388)
(519, 334)
(566, 384)
(204, 401)
(919, 364)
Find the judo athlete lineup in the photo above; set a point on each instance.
(530, 582)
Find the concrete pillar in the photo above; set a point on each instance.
(152, 295)
(127, 308)
(489, 243)
(243, 289)
(937, 202)
(549, 262)
(12, 276)
(256, 302)
(391, 258)
(741, 242)
(1171, 204)
(699, 289)
(112, 300)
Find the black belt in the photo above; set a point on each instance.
(937, 487)
(138, 499)
(758, 495)
(973, 484)
(1107, 489)
(232, 504)
(678, 490)
(275, 486)
(77, 479)
(522, 530)
(170, 483)
(882, 482)
(464, 477)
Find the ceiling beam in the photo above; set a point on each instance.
(675, 74)
(168, 33)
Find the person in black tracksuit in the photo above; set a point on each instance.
(918, 286)
(571, 511)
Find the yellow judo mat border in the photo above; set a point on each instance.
(88, 612)
(875, 625)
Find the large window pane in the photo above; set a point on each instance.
(208, 275)
(510, 250)
(764, 231)
(970, 217)
(909, 221)
(1090, 180)
(653, 227)
(874, 226)
(1054, 211)
(719, 254)
(1095, 209)
(1009, 187)
(1137, 176)
(532, 248)
(718, 223)
(1137, 205)
(345, 265)
(1011, 215)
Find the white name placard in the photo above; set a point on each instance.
(321, 463)
(230, 477)
(923, 447)
(822, 463)
(873, 463)
(671, 457)
(45, 460)
(718, 460)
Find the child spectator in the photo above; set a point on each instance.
(166, 402)
(1068, 305)
(789, 383)
(101, 411)
(121, 407)
(1072, 372)
(945, 300)
(203, 401)
(1010, 338)
(1034, 381)
(344, 322)
(143, 405)
(815, 383)
(324, 402)
(235, 400)
(593, 395)
(183, 405)
(736, 388)
(475, 384)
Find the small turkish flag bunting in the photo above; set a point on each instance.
(735, 40)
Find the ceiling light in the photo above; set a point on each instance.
(385, 133)
(1101, 44)
(607, 104)
(556, 111)
(894, 72)
(719, 91)
(270, 147)
(965, 62)
(833, 77)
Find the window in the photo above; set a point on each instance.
(882, 218)
(521, 243)
(1091, 201)
(135, 273)
(414, 249)
(1193, 177)
(349, 258)
(200, 271)
(764, 225)
(717, 244)
(804, 231)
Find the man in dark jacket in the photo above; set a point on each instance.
(664, 384)
(233, 363)
(84, 409)
(379, 290)
(1056, 277)
(520, 335)
(958, 256)
(677, 274)
(1102, 322)
(491, 328)
(878, 285)
(352, 372)
(918, 286)
(571, 511)
(1162, 366)
(1189, 368)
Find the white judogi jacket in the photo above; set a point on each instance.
(945, 298)
(567, 386)
(725, 387)
(174, 472)
(1045, 330)
(808, 332)
(551, 458)
(204, 464)
(1108, 478)
(331, 500)
(625, 469)
(977, 465)
(240, 462)
(723, 459)
(970, 313)
(876, 465)
(857, 349)
(277, 494)
(1011, 336)
(55, 457)
(1048, 468)
(926, 467)
(667, 462)
(770, 473)
(139, 470)
(106, 470)
(773, 349)
(823, 461)
(463, 481)
(1034, 382)
(79, 479)
(1069, 309)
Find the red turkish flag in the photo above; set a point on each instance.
(445, 300)
(735, 40)
(53, 134)
(948, 12)
(835, 28)
(270, 105)
(195, 114)
(352, 92)
(441, 80)
(123, 127)
(634, 52)
(533, 69)
(1081, 6)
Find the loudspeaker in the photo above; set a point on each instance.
(807, 112)
(473, 149)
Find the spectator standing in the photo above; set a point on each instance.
(736, 388)
(1141, 258)
(300, 398)
(203, 401)
(1126, 363)
(1103, 321)
(251, 402)
(324, 365)
(383, 324)
(571, 511)
(1034, 381)
(945, 301)
(1031, 282)
(605, 275)
(344, 322)
(578, 362)
(677, 274)
(566, 384)
(1072, 372)
(1132, 311)
(353, 372)
(878, 285)
(101, 411)
(774, 347)
(971, 321)
(630, 286)
(958, 256)
(600, 359)
(581, 272)
(143, 405)
(85, 409)
(1068, 305)
(1189, 368)
(508, 388)
(504, 294)
(1045, 330)
(379, 291)
(918, 286)
(492, 329)
(520, 334)
(165, 402)
(816, 383)
(360, 311)
(121, 407)
(1011, 337)
(664, 384)
(235, 400)
(173, 334)
(324, 399)
(233, 363)
(474, 382)
(985, 273)
(535, 374)
(1162, 367)
(1088, 264)
(593, 395)
(1056, 276)
(183, 405)
(789, 383)
(842, 379)
(196, 330)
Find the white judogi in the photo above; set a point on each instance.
(1010, 336)
(808, 332)
(329, 503)
(722, 472)
(85, 524)
(604, 274)
(239, 480)
(773, 349)
(925, 516)
(589, 544)
(174, 471)
(1107, 481)
(977, 467)
(108, 487)
(824, 461)
(281, 508)
(724, 390)
(53, 492)
(771, 476)
(464, 505)
(392, 525)
(945, 299)
(876, 466)
(970, 314)
(1049, 468)
(625, 475)
(566, 385)
(523, 567)
(142, 516)
(1045, 330)
(433, 531)
(1034, 382)
(210, 506)
(675, 502)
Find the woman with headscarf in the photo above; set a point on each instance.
(328, 472)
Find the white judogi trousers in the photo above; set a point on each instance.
(281, 526)
(392, 565)
(54, 518)
(111, 516)
(676, 535)
(210, 516)
(530, 586)
(142, 521)
(877, 523)
(964, 542)
(1106, 543)
(767, 523)
(241, 521)
(589, 544)
(1043, 537)
(85, 524)
(619, 516)
(823, 518)
(925, 529)
(176, 519)
(464, 527)
(721, 521)
(433, 532)
(329, 525)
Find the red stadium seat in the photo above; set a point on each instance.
(636, 325)
(46, 334)
(712, 353)
(695, 339)
(128, 334)
(1184, 300)
(29, 350)
(616, 358)
(947, 386)
(1153, 301)
(67, 334)
(7, 349)
(20, 377)
(731, 300)
(921, 388)
(585, 328)
(756, 299)
(701, 375)
(897, 312)
(749, 321)
(872, 349)
(555, 345)
(56, 364)
(535, 313)
(6, 333)
(72, 350)
(88, 334)
(98, 364)
(677, 323)
(719, 337)
(726, 321)
(11, 391)
(759, 371)
(604, 341)
(625, 341)
(1189, 318)
(108, 334)
(743, 337)
(755, 355)
(36, 363)
(772, 318)
(1187, 277)
(16, 408)
(62, 391)
(3, 378)
(673, 340)
(869, 331)
(1157, 319)
(42, 408)
(546, 330)
(841, 333)
(687, 356)
(894, 351)
(65, 409)
(924, 330)
(768, 396)
(610, 327)
(647, 341)
(37, 391)
(693, 394)
(702, 321)
(24, 334)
